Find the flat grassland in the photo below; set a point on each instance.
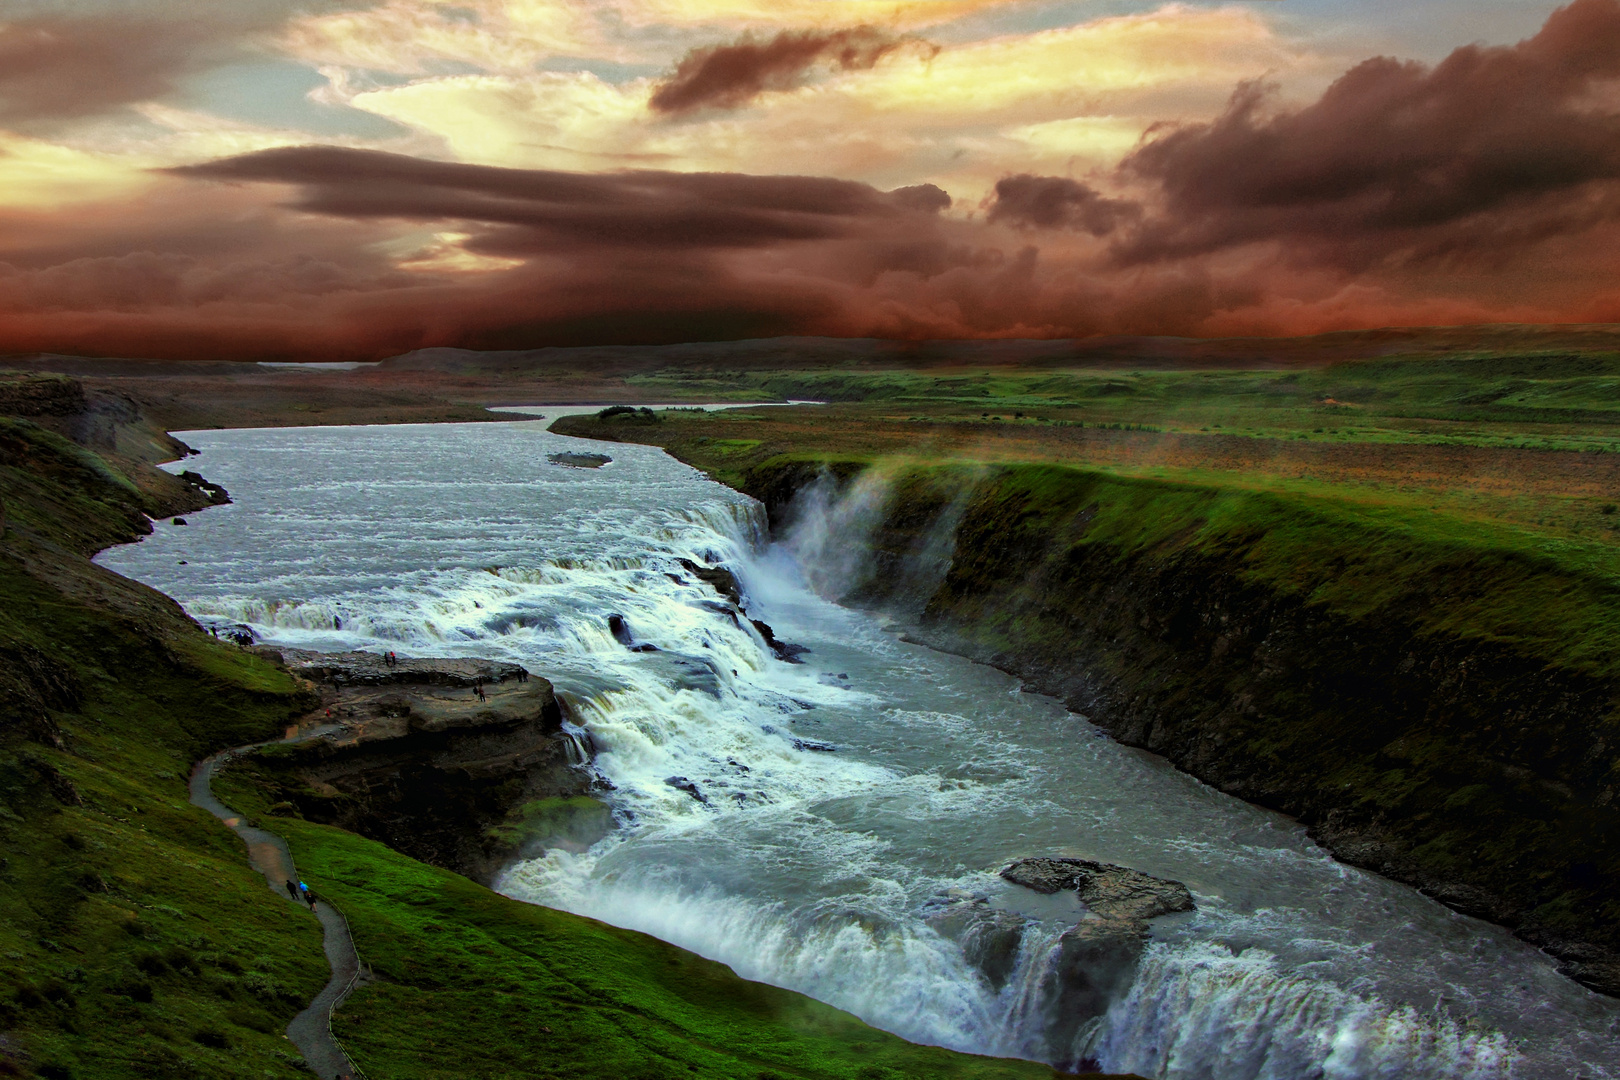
(1398, 457)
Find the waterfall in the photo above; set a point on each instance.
(821, 826)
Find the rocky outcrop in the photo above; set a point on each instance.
(417, 759)
(725, 583)
(1077, 977)
(373, 669)
(990, 937)
(41, 395)
(718, 578)
(1112, 892)
(1094, 960)
(579, 461)
(1466, 766)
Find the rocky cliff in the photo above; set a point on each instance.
(1462, 761)
(465, 764)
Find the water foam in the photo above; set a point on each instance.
(815, 869)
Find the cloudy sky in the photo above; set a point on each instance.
(338, 179)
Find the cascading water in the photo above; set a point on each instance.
(807, 824)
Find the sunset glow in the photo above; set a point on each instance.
(1271, 169)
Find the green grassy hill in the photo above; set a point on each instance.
(1414, 647)
(136, 942)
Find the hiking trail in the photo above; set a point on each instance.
(310, 1030)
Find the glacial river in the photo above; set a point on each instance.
(847, 797)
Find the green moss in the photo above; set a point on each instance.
(578, 821)
(473, 984)
(135, 941)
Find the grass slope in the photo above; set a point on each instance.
(1437, 690)
(136, 942)
(473, 984)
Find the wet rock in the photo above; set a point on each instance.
(990, 938)
(813, 744)
(722, 609)
(620, 629)
(1471, 901)
(1602, 976)
(681, 783)
(371, 669)
(218, 495)
(723, 581)
(1113, 892)
(783, 650)
(579, 461)
(1092, 965)
(179, 521)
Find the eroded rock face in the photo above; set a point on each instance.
(1093, 963)
(720, 579)
(990, 938)
(423, 763)
(1091, 967)
(372, 669)
(1112, 892)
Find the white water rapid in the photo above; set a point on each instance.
(847, 799)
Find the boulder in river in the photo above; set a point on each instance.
(990, 938)
(1092, 966)
(784, 650)
(1113, 892)
(681, 783)
(723, 581)
(579, 461)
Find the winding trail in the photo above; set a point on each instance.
(310, 1030)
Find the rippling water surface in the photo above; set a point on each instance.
(816, 869)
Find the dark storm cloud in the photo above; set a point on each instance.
(925, 197)
(1482, 189)
(58, 64)
(57, 68)
(1492, 149)
(538, 210)
(726, 76)
(1055, 202)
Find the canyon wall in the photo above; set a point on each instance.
(1342, 678)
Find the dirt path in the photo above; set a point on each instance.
(310, 1030)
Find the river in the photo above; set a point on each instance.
(847, 798)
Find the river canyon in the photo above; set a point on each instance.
(808, 823)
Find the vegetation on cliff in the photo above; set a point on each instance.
(1419, 661)
(473, 984)
(135, 940)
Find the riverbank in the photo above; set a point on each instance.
(134, 939)
(1433, 695)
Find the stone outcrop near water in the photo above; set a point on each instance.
(1110, 892)
(1464, 766)
(462, 763)
(1093, 961)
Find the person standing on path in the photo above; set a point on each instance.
(292, 891)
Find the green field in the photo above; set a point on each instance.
(1547, 400)
(135, 941)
